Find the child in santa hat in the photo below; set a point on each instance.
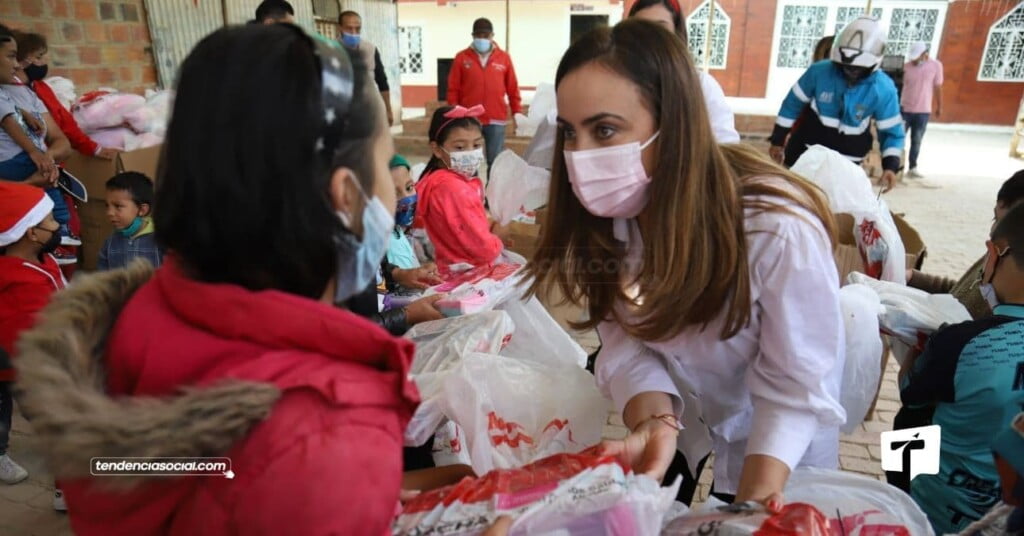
(28, 276)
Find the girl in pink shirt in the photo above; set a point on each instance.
(451, 195)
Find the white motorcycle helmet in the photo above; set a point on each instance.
(860, 44)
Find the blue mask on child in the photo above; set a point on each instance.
(359, 260)
(135, 227)
(350, 40)
(406, 211)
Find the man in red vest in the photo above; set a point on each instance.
(483, 74)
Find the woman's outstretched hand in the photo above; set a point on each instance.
(647, 450)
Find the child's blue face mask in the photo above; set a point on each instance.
(405, 211)
(135, 227)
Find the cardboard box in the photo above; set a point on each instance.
(526, 235)
(848, 258)
(94, 174)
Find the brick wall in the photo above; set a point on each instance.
(965, 99)
(94, 43)
(750, 45)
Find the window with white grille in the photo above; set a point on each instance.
(410, 49)
(1003, 60)
(802, 27)
(697, 31)
(909, 26)
(846, 15)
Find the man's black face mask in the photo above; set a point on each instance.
(854, 74)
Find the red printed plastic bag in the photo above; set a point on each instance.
(515, 411)
(571, 493)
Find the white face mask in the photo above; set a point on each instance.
(610, 182)
(988, 291)
(466, 163)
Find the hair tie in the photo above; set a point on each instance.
(461, 112)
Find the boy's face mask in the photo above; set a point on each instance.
(405, 212)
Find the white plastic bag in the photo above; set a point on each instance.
(542, 103)
(559, 495)
(516, 411)
(830, 490)
(861, 308)
(537, 336)
(514, 187)
(64, 89)
(849, 191)
(910, 314)
(450, 446)
(119, 138)
(541, 150)
(106, 111)
(439, 347)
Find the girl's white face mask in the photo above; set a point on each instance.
(611, 181)
(466, 163)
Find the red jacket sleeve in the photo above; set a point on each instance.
(79, 140)
(455, 81)
(457, 215)
(515, 100)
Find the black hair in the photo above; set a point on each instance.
(240, 195)
(6, 34)
(349, 13)
(1012, 191)
(29, 43)
(440, 135)
(1011, 230)
(137, 184)
(672, 6)
(273, 10)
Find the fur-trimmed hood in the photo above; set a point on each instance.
(62, 389)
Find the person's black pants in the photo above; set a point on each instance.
(6, 414)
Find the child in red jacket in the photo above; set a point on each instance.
(28, 276)
(32, 56)
(450, 202)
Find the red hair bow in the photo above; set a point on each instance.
(461, 112)
(458, 112)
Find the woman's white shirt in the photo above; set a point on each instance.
(723, 122)
(773, 388)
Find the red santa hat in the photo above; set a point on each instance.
(22, 207)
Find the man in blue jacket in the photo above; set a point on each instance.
(844, 94)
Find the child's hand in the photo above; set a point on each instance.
(45, 164)
(417, 278)
(38, 180)
(33, 122)
(423, 310)
(107, 153)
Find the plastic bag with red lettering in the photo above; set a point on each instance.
(849, 191)
(515, 411)
(562, 494)
(751, 519)
(440, 345)
(865, 506)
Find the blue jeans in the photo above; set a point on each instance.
(494, 139)
(22, 167)
(916, 125)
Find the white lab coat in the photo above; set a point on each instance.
(541, 150)
(773, 388)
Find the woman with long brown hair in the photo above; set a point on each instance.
(707, 270)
